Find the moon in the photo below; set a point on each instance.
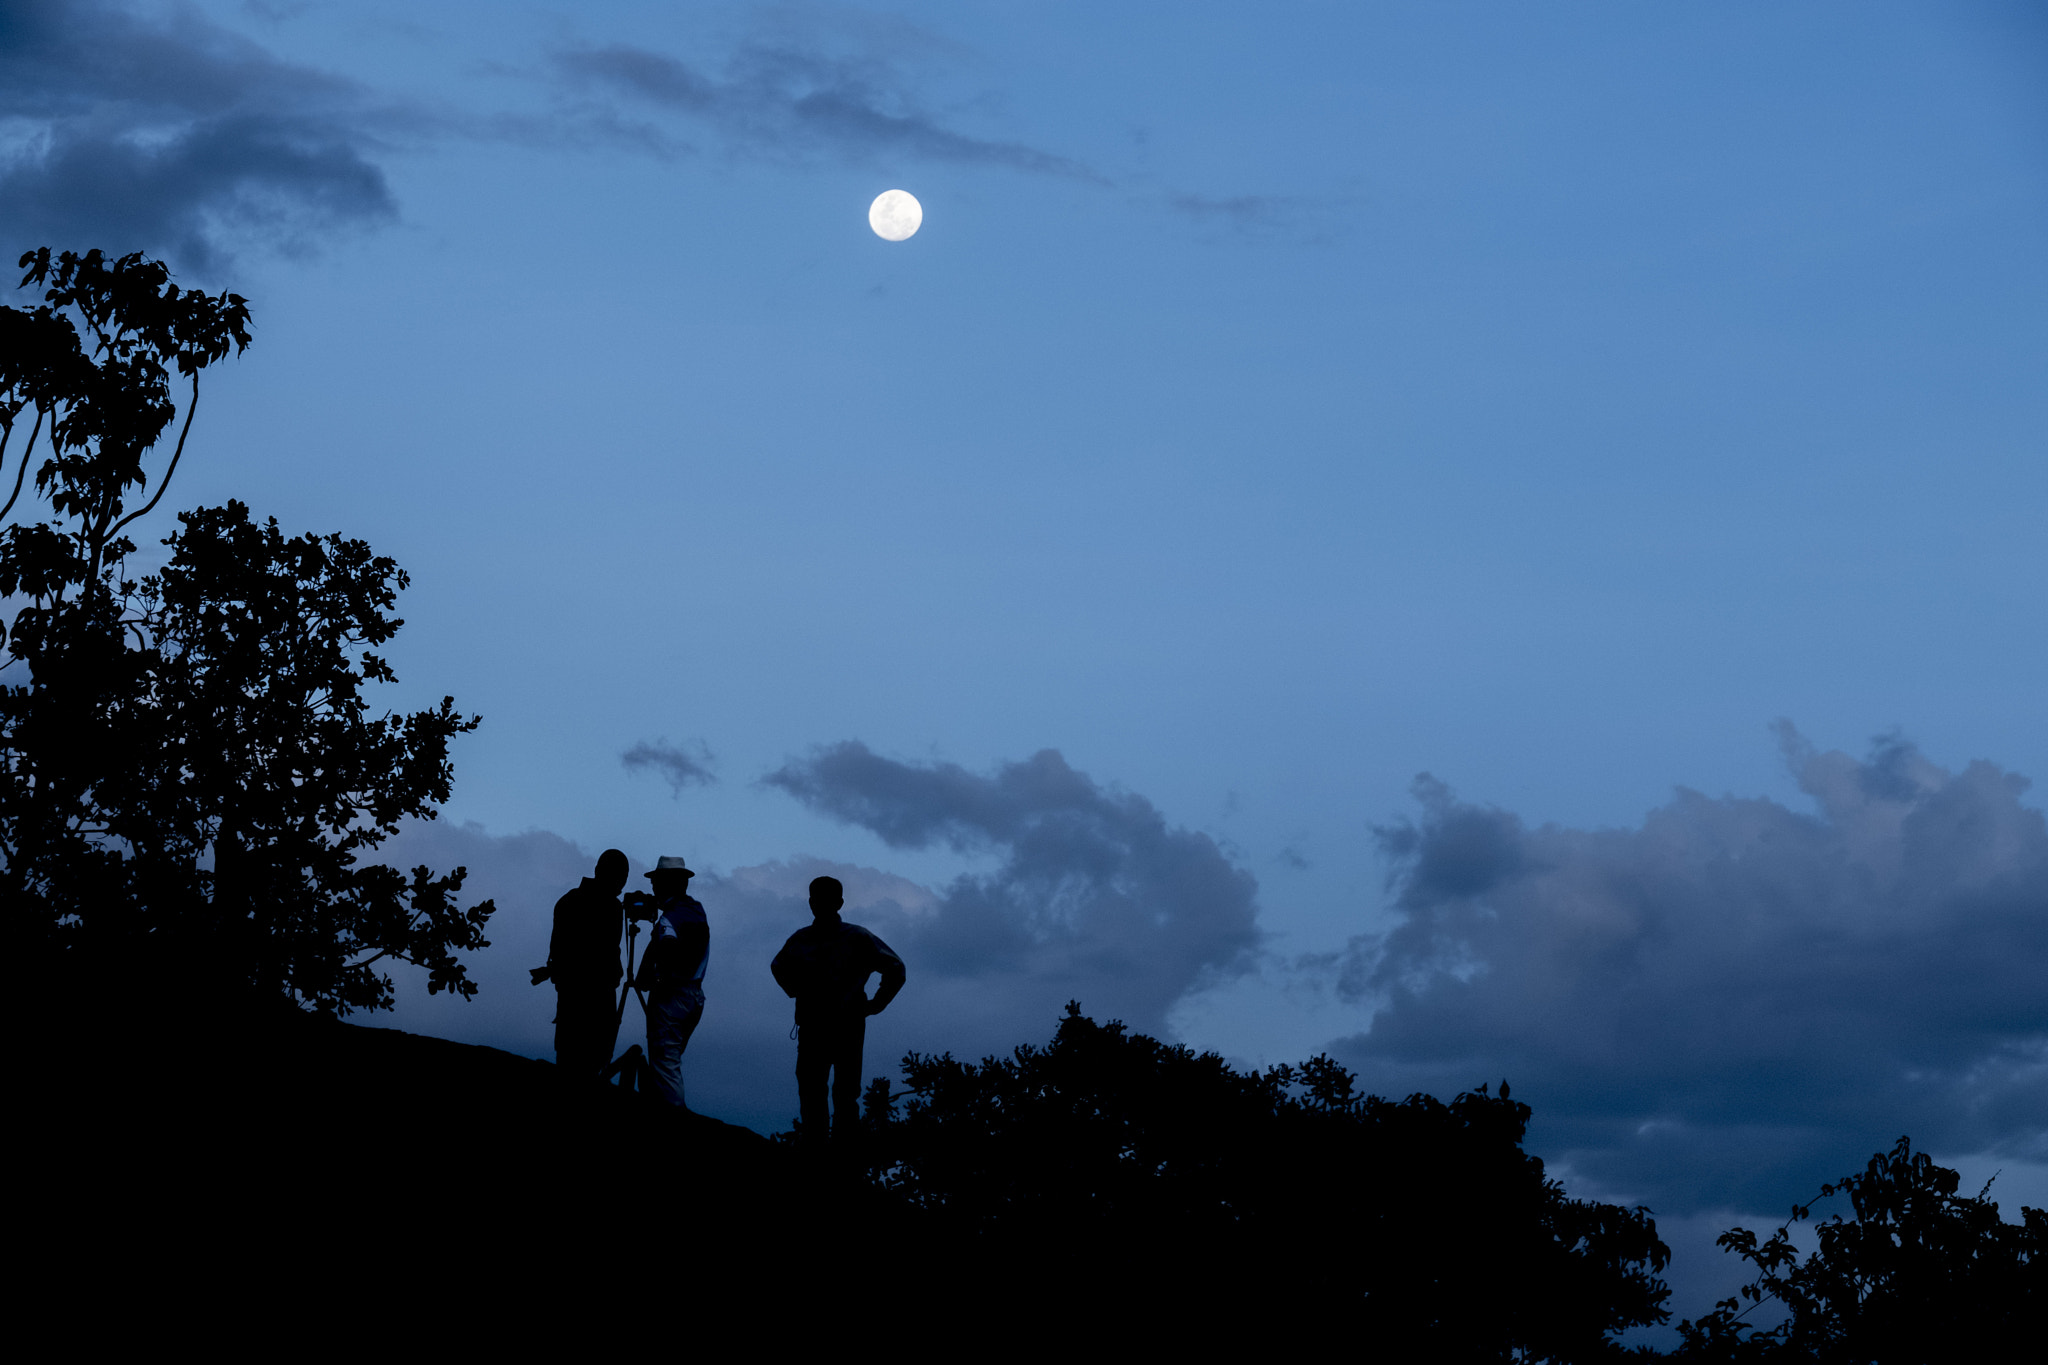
(895, 215)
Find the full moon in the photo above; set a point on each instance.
(895, 215)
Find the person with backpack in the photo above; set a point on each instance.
(825, 969)
(672, 973)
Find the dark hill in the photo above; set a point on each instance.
(1106, 1192)
(297, 1164)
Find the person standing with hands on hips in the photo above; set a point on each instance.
(672, 973)
(825, 969)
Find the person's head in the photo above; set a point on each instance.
(827, 895)
(670, 877)
(611, 872)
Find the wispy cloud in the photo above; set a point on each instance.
(1235, 210)
(779, 95)
(681, 765)
(130, 128)
(1736, 1000)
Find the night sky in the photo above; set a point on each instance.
(1491, 540)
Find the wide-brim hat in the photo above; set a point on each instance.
(669, 863)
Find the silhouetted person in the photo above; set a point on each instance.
(672, 973)
(583, 962)
(825, 969)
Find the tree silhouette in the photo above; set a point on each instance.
(1919, 1273)
(189, 768)
(105, 407)
(1411, 1219)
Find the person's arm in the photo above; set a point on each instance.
(891, 967)
(546, 970)
(692, 946)
(654, 962)
(788, 968)
(555, 944)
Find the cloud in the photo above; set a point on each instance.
(683, 765)
(1096, 896)
(1240, 211)
(174, 136)
(1737, 1000)
(791, 96)
(811, 83)
(525, 874)
(1715, 1010)
(865, 888)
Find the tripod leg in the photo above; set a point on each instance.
(628, 988)
(628, 1068)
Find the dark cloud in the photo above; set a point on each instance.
(1716, 1010)
(174, 136)
(787, 96)
(681, 765)
(1737, 1000)
(1095, 898)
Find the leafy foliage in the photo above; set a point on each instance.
(1283, 1187)
(189, 766)
(1919, 1273)
(107, 405)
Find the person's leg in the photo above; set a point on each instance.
(669, 1026)
(846, 1074)
(813, 1060)
(606, 1023)
(586, 1025)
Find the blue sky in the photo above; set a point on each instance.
(1278, 403)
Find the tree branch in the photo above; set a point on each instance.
(26, 451)
(172, 468)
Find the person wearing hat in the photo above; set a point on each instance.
(672, 974)
(583, 962)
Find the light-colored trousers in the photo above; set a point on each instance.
(670, 1022)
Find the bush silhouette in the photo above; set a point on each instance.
(1132, 1172)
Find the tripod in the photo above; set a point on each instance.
(630, 1071)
